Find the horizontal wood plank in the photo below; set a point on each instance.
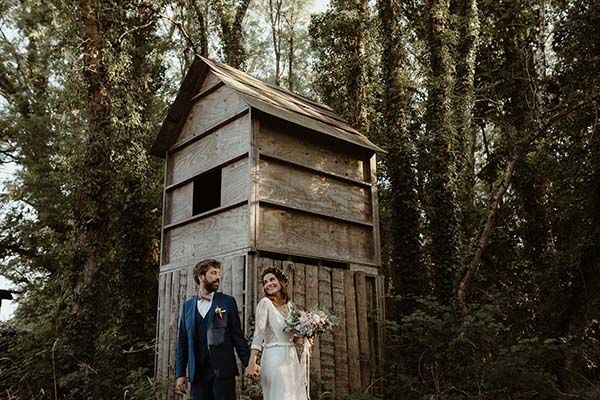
(211, 235)
(301, 189)
(293, 232)
(210, 110)
(294, 147)
(212, 150)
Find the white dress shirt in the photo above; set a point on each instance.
(204, 305)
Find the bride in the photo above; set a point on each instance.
(282, 375)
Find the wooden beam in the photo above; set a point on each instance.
(354, 380)
(363, 328)
(327, 342)
(205, 214)
(191, 178)
(312, 169)
(207, 91)
(208, 131)
(375, 210)
(305, 255)
(277, 204)
(312, 300)
(339, 333)
(253, 170)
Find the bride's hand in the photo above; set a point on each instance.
(298, 340)
(252, 371)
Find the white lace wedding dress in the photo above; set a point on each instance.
(282, 374)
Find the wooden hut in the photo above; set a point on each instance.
(257, 176)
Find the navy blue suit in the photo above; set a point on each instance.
(223, 334)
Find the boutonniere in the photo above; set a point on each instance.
(219, 311)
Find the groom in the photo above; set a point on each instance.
(209, 330)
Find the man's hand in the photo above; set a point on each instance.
(252, 371)
(181, 385)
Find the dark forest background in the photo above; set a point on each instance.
(489, 191)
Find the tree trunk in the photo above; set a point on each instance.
(407, 267)
(230, 21)
(443, 212)
(91, 213)
(464, 102)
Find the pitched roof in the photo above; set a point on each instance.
(265, 97)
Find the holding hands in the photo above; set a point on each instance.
(252, 371)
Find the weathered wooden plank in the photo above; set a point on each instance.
(375, 210)
(302, 189)
(354, 380)
(191, 284)
(288, 269)
(294, 232)
(160, 326)
(364, 268)
(339, 333)
(235, 182)
(226, 275)
(214, 149)
(210, 110)
(254, 160)
(249, 291)
(166, 323)
(215, 234)
(209, 81)
(380, 296)
(238, 269)
(274, 140)
(179, 204)
(173, 322)
(312, 300)
(327, 342)
(372, 318)
(300, 285)
(162, 261)
(363, 328)
(183, 274)
(262, 263)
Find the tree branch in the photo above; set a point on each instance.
(485, 235)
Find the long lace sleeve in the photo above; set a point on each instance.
(260, 329)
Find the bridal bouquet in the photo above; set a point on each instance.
(308, 324)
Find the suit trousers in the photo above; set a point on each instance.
(214, 389)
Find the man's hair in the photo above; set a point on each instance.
(203, 266)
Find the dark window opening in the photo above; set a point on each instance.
(207, 192)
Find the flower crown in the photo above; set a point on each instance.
(279, 274)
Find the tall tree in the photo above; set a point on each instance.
(343, 69)
(406, 267)
(230, 18)
(442, 210)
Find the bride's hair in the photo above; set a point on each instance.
(281, 277)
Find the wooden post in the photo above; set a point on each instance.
(354, 377)
(363, 328)
(327, 343)
(300, 285)
(312, 300)
(339, 333)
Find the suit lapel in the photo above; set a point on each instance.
(211, 312)
(191, 318)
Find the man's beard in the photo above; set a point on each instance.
(211, 287)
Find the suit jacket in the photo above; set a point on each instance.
(224, 334)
